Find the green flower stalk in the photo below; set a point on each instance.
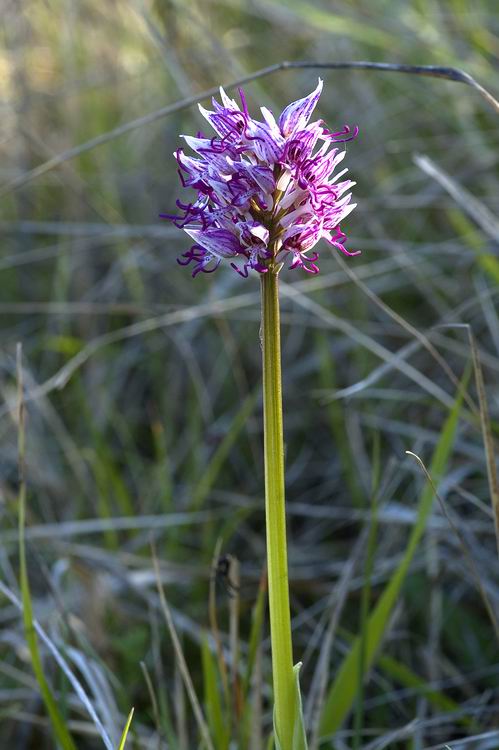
(275, 513)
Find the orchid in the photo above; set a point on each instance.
(267, 191)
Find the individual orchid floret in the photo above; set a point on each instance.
(267, 191)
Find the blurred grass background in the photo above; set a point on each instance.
(156, 432)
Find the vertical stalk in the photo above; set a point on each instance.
(277, 563)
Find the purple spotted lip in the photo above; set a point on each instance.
(267, 191)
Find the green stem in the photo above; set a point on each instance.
(275, 514)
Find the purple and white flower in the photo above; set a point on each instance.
(267, 191)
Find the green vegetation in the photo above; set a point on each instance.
(137, 455)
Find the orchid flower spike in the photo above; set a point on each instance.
(267, 191)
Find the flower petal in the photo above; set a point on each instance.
(227, 101)
(297, 114)
(219, 242)
(266, 145)
(270, 120)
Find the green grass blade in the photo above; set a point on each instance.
(406, 677)
(333, 23)
(336, 414)
(121, 746)
(219, 726)
(299, 735)
(219, 457)
(255, 636)
(488, 262)
(59, 725)
(247, 728)
(410, 679)
(345, 687)
(60, 730)
(488, 440)
(366, 597)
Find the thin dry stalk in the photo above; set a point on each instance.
(421, 337)
(433, 71)
(464, 547)
(234, 583)
(215, 630)
(475, 209)
(153, 699)
(182, 735)
(180, 658)
(321, 675)
(488, 440)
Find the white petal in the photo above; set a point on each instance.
(297, 114)
(227, 101)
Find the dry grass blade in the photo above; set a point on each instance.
(450, 74)
(395, 735)
(479, 213)
(89, 229)
(363, 652)
(215, 631)
(320, 679)
(423, 340)
(487, 433)
(488, 439)
(484, 741)
(431, 71)
(180, 712)
(31, 632)
(153, 699)
(256, 737)
(102, 525)
(182, 664)
(409, 349)
(234, 582)
(464, 547)
(61, 662)
(217, 307)
(367, 342)
(62, 376)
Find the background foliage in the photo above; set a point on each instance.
(142, 386)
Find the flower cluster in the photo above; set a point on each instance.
(267, 191)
